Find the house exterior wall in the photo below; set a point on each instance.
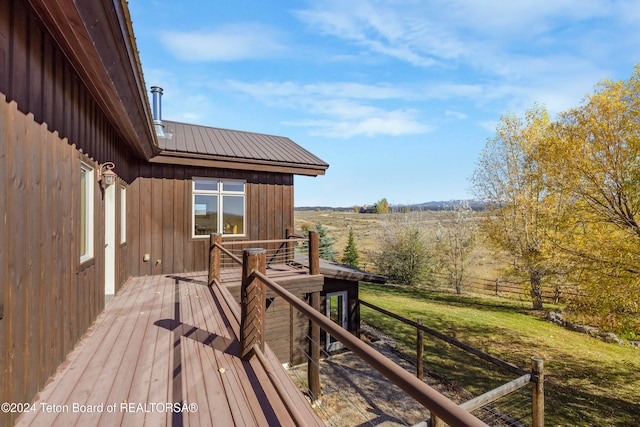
(49, 124)
(160, 215)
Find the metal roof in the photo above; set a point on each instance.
(204, 143)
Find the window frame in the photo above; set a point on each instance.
(219, 193)
(87, 230)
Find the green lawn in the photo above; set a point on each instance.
(588, 382)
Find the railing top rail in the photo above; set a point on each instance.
(253, 242)
(439, 404)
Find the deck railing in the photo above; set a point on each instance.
(253, 317)
(535, 377)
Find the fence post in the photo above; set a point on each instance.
(435, 421)
(313, 364)
(253, 301)
(537, 393)
(420, 350)
(497, 286)
(214, 257)
(314, 252)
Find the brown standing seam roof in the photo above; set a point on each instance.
(205, 142)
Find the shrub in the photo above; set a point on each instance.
(407, 255)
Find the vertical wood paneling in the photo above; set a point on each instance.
(145, 219)
(18, 271)
(189, 251)
(156, 220)
(49, 303)
(168, 224)
(5, 24)
(48, 79)
(47, 273)
(133, 229)
(4, 246)
(18, 55)
(180, 220)
(32, 216)
(35, 69)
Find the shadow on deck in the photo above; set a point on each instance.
(165, 352)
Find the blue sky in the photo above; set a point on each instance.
(399, 97)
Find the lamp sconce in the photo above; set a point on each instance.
(107, 176)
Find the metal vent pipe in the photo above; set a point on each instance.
(156, 92)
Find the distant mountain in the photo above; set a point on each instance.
(428, 206)
(435, 206)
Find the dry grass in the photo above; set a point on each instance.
(485, 261)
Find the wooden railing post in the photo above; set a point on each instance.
(253, 302)
(420, 350)
(314, 252)
(313, 364)
(214, 257)
(537, 393)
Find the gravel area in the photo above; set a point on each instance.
(354, 394)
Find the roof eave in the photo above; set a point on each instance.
(97, 38)
(188, 159)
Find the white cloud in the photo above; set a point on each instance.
(226, 43)
(381, 123)
(455, 114)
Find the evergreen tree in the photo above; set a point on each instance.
(350, 255)
(325, 243)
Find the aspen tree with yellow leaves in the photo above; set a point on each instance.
(592, 165)
(509, 178)
(564, 198)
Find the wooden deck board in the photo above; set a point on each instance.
(165, 339)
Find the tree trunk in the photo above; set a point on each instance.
(536, 289)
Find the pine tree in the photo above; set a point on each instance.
(325, 243)
(350, 255)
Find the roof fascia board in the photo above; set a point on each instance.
(297, 169)
(125, 103)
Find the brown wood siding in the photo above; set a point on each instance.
(37, 76)
(49, 299)
(163, 223)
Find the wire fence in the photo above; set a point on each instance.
(510, 288)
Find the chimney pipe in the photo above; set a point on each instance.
(156, 91)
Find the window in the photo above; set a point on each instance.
(123, 214)
(86, 212)
(218, 207)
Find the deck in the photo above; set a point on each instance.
(166, 343)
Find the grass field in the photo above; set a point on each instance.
(588, 382)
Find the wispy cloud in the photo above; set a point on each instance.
(379, 122)
(341, 109)
(232, 42)
(522, 45)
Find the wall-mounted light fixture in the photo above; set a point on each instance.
(107, 176)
